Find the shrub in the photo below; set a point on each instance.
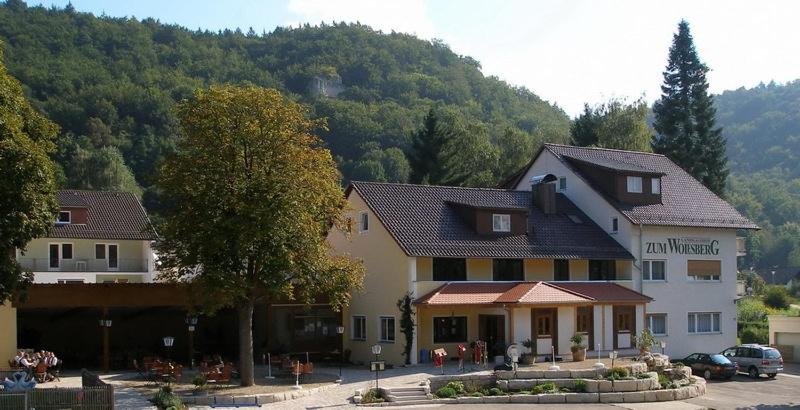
(580, 386)
(494, 391)
(663, 381)
(642, 376)
(548, 387)
(445, 392)
(475, 394)
(777, 297)
(457, 386)
(679, 365)
(617, 373)
(755, 334)
(372, 396)
(751, 310)
(166, 399)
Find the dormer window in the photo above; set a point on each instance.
(635, 185)
(64, 217)
(655, 186)
(501, 222)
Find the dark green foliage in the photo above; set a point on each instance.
(405, 304)
(755, 334)
(445, 392)
(494, 391)
(372, 396)
(457, 387)
(580, 385)
(684, 117)
(429, 151)
(617, 373)
(27, 191)
(167, 400)
(116, 82)
(614, 124)
(777, 297)
(548, 387)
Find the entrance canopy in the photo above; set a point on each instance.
(41, 295)
(530, 293)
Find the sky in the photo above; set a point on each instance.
(569, 52)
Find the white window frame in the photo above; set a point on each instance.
(501, 222)
(649, 324)
(649, 262)
(353, 335)
(69, 221)
(362, 217)
(691, 319)
(562, 184)
(60, 254)
(634, 184)
(614, 221)
(106, 245)
(655, 186)
(381, 337)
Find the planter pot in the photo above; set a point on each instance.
(579, 355)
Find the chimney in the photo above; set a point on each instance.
(543, 193)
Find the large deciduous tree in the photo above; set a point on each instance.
(684, 117)
(613, 124)
(27, 191)
(252, 195)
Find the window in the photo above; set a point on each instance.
(655, 186)
(64, 217)
(507, 269)
(602, 270)
(449, 269)
(451, 329)
(704, 271)
(654, 270)
(657, 323)
(69, 281)
(614, 225)
(583, 319)
(387, 329)
(363, 222)
(359, 328)
(635, 185)
(66, 251)
(501, 222)
(704, 323)
(99, 251)
(560, 269)
(543, 327)
(562, 183)
(58, 252)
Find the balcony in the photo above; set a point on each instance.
(84, 265)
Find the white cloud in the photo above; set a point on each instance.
(410, 16)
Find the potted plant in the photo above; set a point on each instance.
(578, 348)
(200, 385)
(645, 341)
(530, 357)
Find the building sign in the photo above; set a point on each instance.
(684, 246)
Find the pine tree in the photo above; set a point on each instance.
(685, 116)
(427, 155)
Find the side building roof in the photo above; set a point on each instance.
(424, 222)
(112, 215)
(684, 200)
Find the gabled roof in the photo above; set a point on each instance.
(684, 200)
(423, 221)
(529, 293)
(111, 215)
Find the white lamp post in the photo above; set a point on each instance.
(168, 341)
(340, 332)
(376, 350)
(612, 355)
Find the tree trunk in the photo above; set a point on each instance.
(246, 365)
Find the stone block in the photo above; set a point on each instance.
(556, 374)
(605, 386)
(582, 397)
(625, 385)
(505, 374)
(518, 384)
(611, 397)
(552, 398)
(568, 383)
(524, 398)
(530, 374)
(633, 397)
(643, 384)
(502, 385)
(496, 399)
(651, 395)
(592, 386)
(583, 374)
(665, 395)
(683, 393)
(470, 400)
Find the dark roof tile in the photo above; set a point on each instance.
(112, 216)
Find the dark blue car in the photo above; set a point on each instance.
(710, 365)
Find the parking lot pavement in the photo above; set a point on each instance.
(742, 392)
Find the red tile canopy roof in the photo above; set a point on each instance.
(529, 293)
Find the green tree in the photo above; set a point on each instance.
(27, 193)
(777, 297)
(613, 124)
(428, 149)
(684, 117)
(254, 194)
(405, 304)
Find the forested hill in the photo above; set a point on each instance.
(112, 83)
(762, 127)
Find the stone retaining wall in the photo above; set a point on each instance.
(253, 399)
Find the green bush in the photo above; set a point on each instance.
(372, 396)
(166, 399)
(777, 297)
(457, 386)
(494, 391)
(617, 373)
(642, 376)
(446, 392)
(580, 386)
(548, 387)
(663, 381)
(755, 334)
(475, 394)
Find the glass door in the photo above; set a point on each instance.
(55, 260)
(113, 257)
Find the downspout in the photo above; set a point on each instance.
(641, 260)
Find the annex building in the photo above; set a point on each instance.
(582, 240)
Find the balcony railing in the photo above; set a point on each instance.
(84, 265)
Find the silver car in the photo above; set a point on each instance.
(756, 359)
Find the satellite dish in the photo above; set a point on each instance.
(513, 352)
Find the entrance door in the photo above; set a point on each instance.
(584, 323)
(624, 326)
(492, 329)
(55, 258)
(545, 328)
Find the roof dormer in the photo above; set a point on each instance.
(627, 183)
(486, 219)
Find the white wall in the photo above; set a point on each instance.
(522, 325)
(566, 328)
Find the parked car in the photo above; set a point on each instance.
(710, 365)
(756, 359)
